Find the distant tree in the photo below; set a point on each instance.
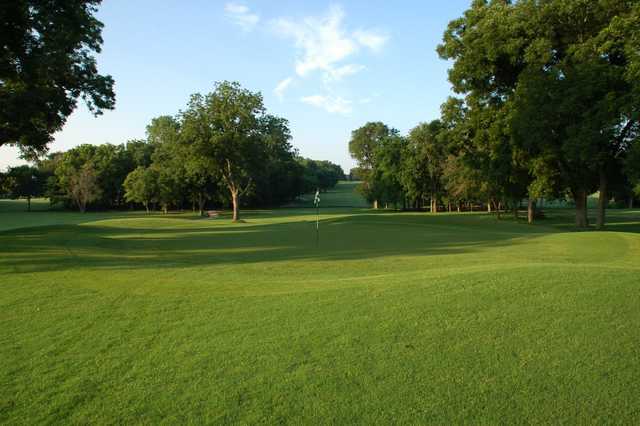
(140, 152)
(317, 174)
(141, 186)
(4, 185)
(46, 63)
(363, 147)
(430, 152)
(388, 168)
(356, 174)
(169, 161)
(632, 169)
(112, 164)
(24, 182)
(281, 177)
(83, 186)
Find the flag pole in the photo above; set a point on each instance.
(316, 201)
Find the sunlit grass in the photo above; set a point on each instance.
(392, 318)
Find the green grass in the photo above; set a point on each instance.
(394, 318)
(343, 195)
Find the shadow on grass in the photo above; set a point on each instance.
(350, 237)
(617, 220)
(65, 247)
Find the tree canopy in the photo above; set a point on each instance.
(46, 64)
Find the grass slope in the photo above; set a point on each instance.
(394, 318)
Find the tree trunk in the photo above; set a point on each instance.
(489, 206)
(631, 202)
(449, 206)
(201, 201)
(531, 210)
(458, 206)
(603, 200)
(236, 207)
(498, 208)
(580, 198)
(146, 206)
(28, 204)
(375, 204)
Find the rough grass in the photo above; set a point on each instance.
(394, 318)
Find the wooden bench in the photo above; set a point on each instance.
(212, 213)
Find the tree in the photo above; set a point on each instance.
(388, 168)
(139, 152)
(522, 54)
(141, 186)
(46, 63)
(24, 182)
(225, 127)
(632, 168)
(363, 147)
(83, 186)
(429, 154)
(281, 177)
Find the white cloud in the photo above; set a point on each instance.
(326, 46)
(324, 42)
(242, 16)
(331, 104)
(371, 39)
(346, 70)
(282, 86)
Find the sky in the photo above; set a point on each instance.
(327, 67)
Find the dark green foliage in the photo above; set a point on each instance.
(189, 160)
(46, 63)
(322, 175)
(552, 94)
(23, 182)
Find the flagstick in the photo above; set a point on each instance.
(316, 201)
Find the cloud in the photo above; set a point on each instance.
(331, 104)
(282, 86)
(344, 71)
(326, 46)
(242, 16)
(371, 39)
(324, 42)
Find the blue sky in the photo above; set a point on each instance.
(328, 67)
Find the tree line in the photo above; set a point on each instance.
(223, 149)
(546, 106)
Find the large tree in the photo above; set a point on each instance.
(46, 63)
(225, 127)
(570, 65)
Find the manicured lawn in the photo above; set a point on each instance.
(394, 318)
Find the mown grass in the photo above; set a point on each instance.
(393, 318)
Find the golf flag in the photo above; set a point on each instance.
(316, 199)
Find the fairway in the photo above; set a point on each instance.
(393, 318)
